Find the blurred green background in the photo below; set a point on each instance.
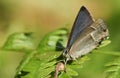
(43, 16)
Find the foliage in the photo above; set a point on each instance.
(54, 41)
(40, 62)
(113, 68)
(19, 42)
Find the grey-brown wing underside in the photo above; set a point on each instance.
(82, 21)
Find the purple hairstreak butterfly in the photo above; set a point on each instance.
(86, 35)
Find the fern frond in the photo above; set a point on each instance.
(54, 41)
(40, 62)
(39, 66)
(20, 42)
(113, 68)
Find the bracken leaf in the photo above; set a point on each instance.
(19, 42)
(113, 68)
(54, 41)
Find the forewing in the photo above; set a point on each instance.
(82, 21)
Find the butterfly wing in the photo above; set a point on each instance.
(82, 21)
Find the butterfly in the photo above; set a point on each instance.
(86, 34)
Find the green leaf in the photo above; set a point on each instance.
(19, 42)
(40, 65)
(71, 72)
(113, 68)
(64, 75)
(54, 41)
(112, 75)
(25, 61)
(104, 43)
